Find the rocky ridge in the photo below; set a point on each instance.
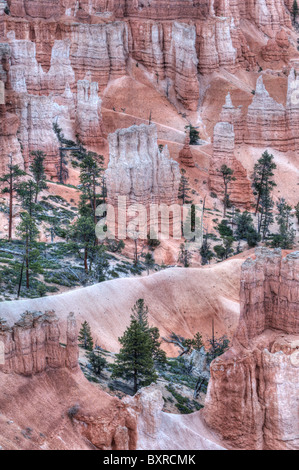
(253, 392)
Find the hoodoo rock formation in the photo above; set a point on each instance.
(32, 345)
(252, 399)
(139, 170)
(266, 123)
(45, 399)
(185, 154)
(223, 154)
(88, 116)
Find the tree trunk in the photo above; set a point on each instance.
(21, 277)
(10, 207)
(85, 260)
(27, 263)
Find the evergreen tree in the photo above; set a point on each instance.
(297, 212)
(140, 314)
(149, 262)
(227, 175)
(28, 232)
(286, 237)
(26, 192)
(83, 232)
(262, 181)
(266, 217)
(90, 179)
(225, 250)
(97, 362)
(184, 256)
(38, 171)
(184, 189)
(194, 134)
(295, 11)
(224, 229)
(245, 229)
(205, 251)
(11, 181)
(195, 343)
(85, 337)
(218, 346)
(135, 359)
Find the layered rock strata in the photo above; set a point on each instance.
(43, 388)
(139, 170)
(185, 155)
(252, 399)
(239, 190)
(32, 345)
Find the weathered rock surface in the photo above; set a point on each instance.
(266, 120)
(185, 154)
(46, 400)
(266, 123)
(88, 114)
(32, 345)
(223, 154)
(138, 170)
(252, 399)
(157, 430)
(277, 49)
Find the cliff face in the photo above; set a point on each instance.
(32, 345)
(266, 124)
(252, 399)
(138, 169)
(45, 396)
(56, 45)
(223, 154)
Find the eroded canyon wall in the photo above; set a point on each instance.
(139, 170)
(32, 345)
(43, 388)
(252, 399)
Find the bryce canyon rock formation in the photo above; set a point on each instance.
(252, 399)
(223, 154)
(266, 124)
(63, 409)
(139, 170)
(185, 155)
(32, 345)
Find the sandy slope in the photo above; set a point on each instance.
(180, 300)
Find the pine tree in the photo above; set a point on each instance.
(26, 192)
(90, 179)
(184, 256)
(194, 134)
(11, 182)
(38, 171)
(297, 212)
(85, 337)
(245, 229)
(97, 362)
(205, 251)
(83, 232)
(184, 189)
(286, 237)
(149, 262)
(227, 175)
(262, 181)
(295, 11)
(140, 314)
(266, 217)
(135, 359)
(28, 232)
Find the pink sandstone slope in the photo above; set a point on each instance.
(179, 300)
